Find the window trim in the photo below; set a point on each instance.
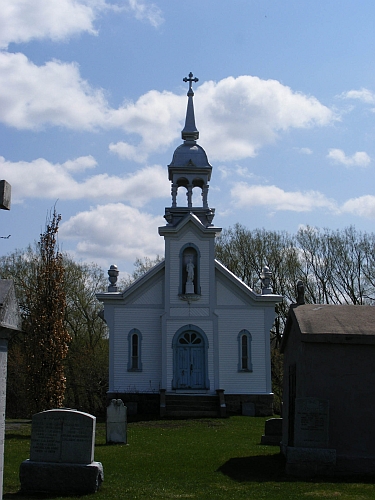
(134, 332)
(241, 357)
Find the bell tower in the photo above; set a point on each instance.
(189, 169)
(189, 233)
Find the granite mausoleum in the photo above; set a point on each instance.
(329, 389)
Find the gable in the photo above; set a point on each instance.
(225, 296)
(153, 295)
(235, 291)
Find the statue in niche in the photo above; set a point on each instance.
(190, 271)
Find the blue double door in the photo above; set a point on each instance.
(190, 362)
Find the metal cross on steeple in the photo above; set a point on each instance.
(191, 80)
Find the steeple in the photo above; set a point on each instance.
(189, 169)
(190, 131)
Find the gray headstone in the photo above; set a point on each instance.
(311, 423)
(62, 436)
(116, 422)
(62, 454)
(272, 431)
(248, 409)
(273, 427)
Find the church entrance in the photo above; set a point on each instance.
(189, 363)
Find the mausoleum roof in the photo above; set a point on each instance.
(331, 323)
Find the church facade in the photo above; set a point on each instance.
(189, 329)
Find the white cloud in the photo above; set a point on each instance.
(112, 233)
(32, 96)
(80, 164)
(126, 151)
(156, 117)
(305, 151)
(274, 198)
(236, 117)
(146, 12)
(359, 159)
(22, 21)
(363, 206)
(363, 95)
(42, 179)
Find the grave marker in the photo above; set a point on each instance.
(62, 454)
(116, 422)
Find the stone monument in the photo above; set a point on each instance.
(10, 322)
(273, 431)
(116, 422)
(62, 454)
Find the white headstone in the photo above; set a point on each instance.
(116, 422)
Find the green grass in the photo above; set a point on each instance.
(192, 459)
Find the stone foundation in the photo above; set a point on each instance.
(263, 404)
(137, 403)
(149, 403)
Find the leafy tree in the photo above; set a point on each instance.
(47, 339)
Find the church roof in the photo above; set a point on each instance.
(190, 154)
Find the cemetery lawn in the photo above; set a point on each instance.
(189, 459)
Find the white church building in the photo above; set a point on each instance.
(189, 337)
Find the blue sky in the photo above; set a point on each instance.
(92, 104)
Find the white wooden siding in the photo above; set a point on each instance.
(154, 295)
(231, 322)
(225, 297)
(149, 324)
(191, 312)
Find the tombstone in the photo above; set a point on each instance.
(62, 454)
(116, 422)
(10, 322)
(248, 409)
(272, 431)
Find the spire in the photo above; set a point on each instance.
(190, 131)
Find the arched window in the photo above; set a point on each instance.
(134, 350)
(244, 351)
(189, 270)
